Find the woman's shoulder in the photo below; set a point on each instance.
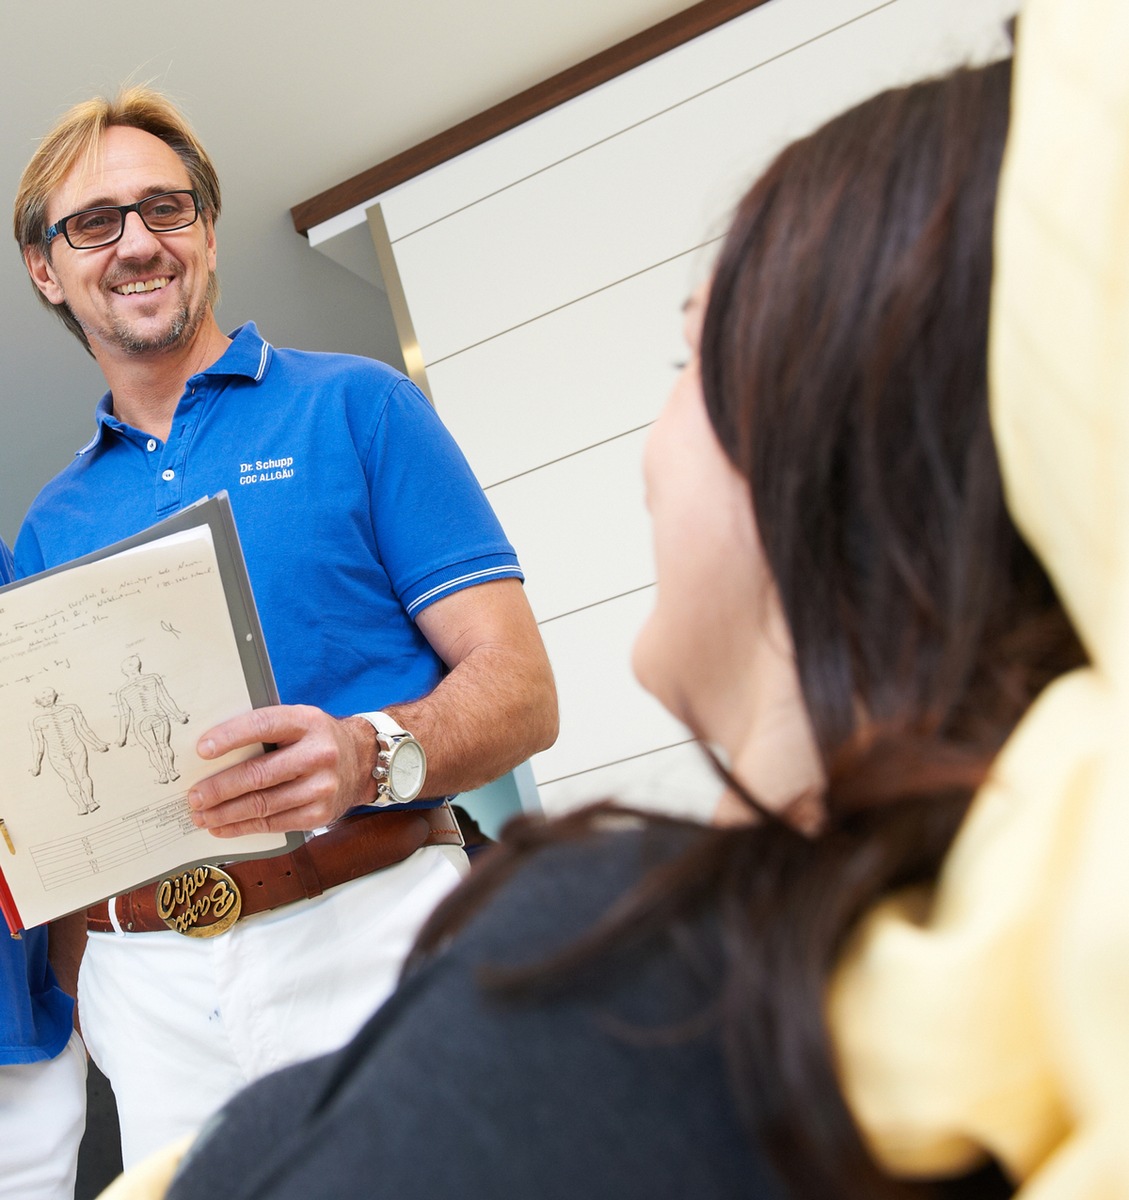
(560, 890)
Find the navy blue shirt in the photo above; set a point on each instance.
(615, 1085)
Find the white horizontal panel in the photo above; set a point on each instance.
(580, 527)
(581, 226)
(677, 781)
(605, 715)
(949, 31)
(573, 378)
(644, 196)
(607, 110)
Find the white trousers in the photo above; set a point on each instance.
(42, 1116)
(179, 1024)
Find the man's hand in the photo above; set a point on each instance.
(494, 708)
(321, 768)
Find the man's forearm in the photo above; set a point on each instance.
(494, 710)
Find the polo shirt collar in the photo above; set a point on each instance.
(248, 357)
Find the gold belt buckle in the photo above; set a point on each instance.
(202, 902)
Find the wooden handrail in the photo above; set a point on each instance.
(534, 101)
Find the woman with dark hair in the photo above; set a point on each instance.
(627, 1006)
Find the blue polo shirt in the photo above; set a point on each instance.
(35, 1013)
(355, 509)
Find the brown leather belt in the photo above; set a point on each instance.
(354, 847)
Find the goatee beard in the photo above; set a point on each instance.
(179, 332)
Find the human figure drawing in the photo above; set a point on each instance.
(61, 730)
(145, 704)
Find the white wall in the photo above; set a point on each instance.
(544, 273)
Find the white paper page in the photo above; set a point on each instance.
(137, 646)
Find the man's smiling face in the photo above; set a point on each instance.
(147, 292)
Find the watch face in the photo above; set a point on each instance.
(406, 771)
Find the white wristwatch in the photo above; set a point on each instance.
(401, 764)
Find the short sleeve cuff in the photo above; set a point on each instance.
(454, 579)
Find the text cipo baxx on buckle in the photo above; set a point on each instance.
(202, 902)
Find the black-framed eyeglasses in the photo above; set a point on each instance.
(96, 227)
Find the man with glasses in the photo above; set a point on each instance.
(385, 589)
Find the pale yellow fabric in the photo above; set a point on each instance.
(995, 1013)
(150, 1178)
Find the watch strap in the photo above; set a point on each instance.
(384, 724)
(389, 734)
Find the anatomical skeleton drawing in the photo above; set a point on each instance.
(144, 704)
(61, 732)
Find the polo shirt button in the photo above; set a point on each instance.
(151, 444)
(168, 476)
